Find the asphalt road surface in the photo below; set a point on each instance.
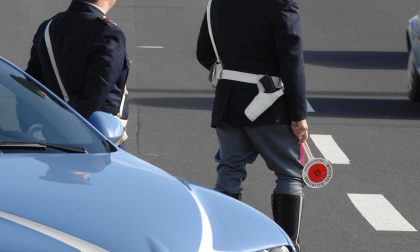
(362, 121)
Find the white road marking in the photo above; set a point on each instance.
(329, 149)
(309, 107)
(380, 213)
(150, 47)
(58, 235)
(153, 155)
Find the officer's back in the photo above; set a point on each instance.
(246, 36)
(259, 37)
(86, 45)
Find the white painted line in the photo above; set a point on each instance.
(329, 149)
(309, 107)
(380, 213)
(150, 47)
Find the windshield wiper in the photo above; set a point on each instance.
(41, 145)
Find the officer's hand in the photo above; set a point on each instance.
(300, 130)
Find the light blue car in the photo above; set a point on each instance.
(64, 186)
(413, 68)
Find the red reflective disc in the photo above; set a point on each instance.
(317, 172)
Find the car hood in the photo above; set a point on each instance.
(116, 202)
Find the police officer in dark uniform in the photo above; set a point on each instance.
(90, 54)
(256, 39)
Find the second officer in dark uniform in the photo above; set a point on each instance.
(258, 41)
(90, 54)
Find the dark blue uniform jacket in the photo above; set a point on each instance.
(90, 51)
(257, 37)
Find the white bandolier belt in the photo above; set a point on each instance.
(247, 77)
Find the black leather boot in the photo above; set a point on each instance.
(287, 211)
(237, 196)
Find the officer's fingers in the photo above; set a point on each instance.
(297, 134)
(301, 134)
(299, 131)
(303, 137)
(300, 124)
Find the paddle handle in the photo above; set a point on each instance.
(307, 150)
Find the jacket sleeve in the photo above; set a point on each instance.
(34, 65)
(290, 55)
(106, 63)
(205, 53)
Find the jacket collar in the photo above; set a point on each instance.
(97, 7)
(80, 6)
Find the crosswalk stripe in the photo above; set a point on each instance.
(329, 149)
(309, 108)
(380, 213)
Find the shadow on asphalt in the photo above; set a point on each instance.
(193, 103)
(357, 94)
(324, 107)
(358, 59)
(365, 108)
(171, 91)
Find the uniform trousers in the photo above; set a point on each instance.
(275, 143)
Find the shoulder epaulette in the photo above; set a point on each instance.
(107, 20)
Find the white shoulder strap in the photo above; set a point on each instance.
(211, 31)
(120, 111)
(53, 63)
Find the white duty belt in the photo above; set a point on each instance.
(247, 77)
(263, 100)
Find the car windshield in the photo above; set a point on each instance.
(29, 114)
